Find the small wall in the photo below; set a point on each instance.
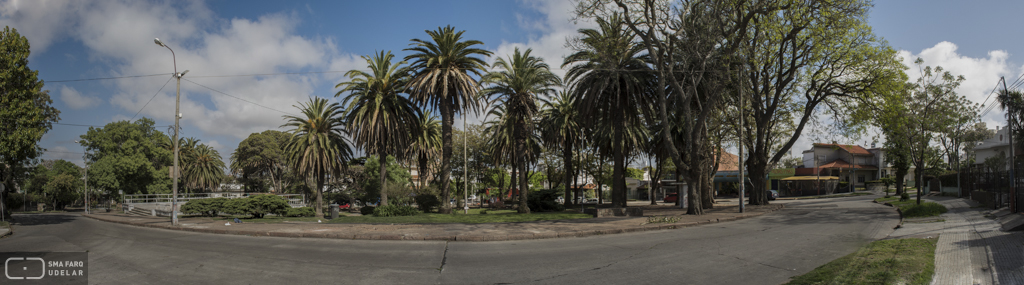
(615, 212)
(950, 190)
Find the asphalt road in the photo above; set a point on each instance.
(763, 250)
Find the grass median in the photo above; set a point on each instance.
(911, 209)
(896, 261)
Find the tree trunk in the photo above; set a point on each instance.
(900, 174)
(693, 202)
(567, 161)
(319, 197)
(523, 186)
(383, 178)
(421, 172)
(514, 187)
(757, 170)
(447, 120)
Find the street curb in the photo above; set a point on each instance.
(10, 231)
(463, 237)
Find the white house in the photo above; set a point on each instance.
(995, 146)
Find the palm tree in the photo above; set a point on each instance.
(205, 169)
(443, 82)
(502, 145)
(318, 148)
(382, 121)
(561, 129)
(523, 78)
(610, 77)
(426, 143)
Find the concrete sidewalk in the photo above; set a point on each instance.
(451, 232)
(972, 248)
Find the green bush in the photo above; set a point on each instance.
(394, 211)
(206, 207)
(367, 210)
(239, 206)
(426, 202)
(928, 209)
(260, 205)
(544, 201)
(299, 212)
(904, 197)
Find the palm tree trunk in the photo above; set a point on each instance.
(383, 178)
(447, 120)
(422, 171)
(514, 179)
(567, 161)
(320, 197)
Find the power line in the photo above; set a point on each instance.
(107, 78)
(229, 95)
(151, 98)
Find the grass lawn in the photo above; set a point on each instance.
(911, 209)
(896, 261)
(832, 196)
(5, 225)
(475, 216)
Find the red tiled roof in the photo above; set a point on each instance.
(839, 163)
(853, 149)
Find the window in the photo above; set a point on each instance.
(860, 179)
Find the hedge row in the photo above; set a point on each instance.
(255, 206)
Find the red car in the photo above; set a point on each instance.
(671, 198)
(344, 206)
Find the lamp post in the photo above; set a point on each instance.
(175, 172)
(85, 162)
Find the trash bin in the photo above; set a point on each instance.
(334, 211)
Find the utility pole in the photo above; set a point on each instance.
(741, 167)
(176, 172)
(1013, 160)
(85, 162)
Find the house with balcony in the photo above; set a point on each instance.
(851, 163)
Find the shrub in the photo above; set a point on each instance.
(239, 206)
(367, 210)
(206, 207)
(904, 197)
(924, 210)
(299, 212)
(394, 211)
(544, 201)
(260, 205)
(426, 202)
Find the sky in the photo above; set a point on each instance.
(251, 62)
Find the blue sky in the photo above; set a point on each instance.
(81, 40)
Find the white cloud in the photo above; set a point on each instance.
(76, 100)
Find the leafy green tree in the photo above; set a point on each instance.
(395, 174)
(611, 78)
(426, 146)
(560, 129)
(27, 112)
(62, 189)
(204, 168)
(443, 82)
(522, 79)
(319, 149)
(262, 156)
(380, 119)
(128, 156)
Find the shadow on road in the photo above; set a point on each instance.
(42, 219)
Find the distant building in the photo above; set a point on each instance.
(996, 146)
(851, 163)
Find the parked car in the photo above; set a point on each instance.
(671, 197)
(772, 195)
(344, 206)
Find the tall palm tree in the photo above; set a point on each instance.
(205, 169)
(426, 143)
(318, 148)
(521, 80)
(611, 78)
(443, 82)
(561, 129)
(381, 120)
(503, 147)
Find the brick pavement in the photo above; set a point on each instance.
(452, 232)
(973, 250)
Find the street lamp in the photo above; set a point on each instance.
(175, 172)
(85, 162)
